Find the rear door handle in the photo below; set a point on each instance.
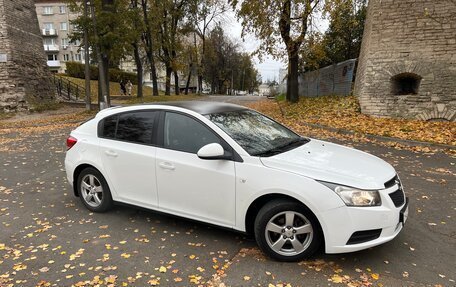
(167, 165)
(111, 153)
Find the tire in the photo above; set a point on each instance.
(94, 190)
(287, 231)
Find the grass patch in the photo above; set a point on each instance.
(48, 106)
(4, 116)
(114, 88)
(281, 97)
(344, 113)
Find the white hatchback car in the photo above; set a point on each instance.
(231, 166)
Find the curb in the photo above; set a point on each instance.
(382, 138)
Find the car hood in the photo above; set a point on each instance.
(334, 163)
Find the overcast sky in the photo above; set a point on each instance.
(268, 68)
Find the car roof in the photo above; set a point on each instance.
(203, 107)
(200, 107)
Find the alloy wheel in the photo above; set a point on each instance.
(289, 233)
(92, 190)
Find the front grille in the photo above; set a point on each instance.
(391, 182)
(364, 236)
(398, 197)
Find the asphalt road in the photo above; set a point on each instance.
(48, 238)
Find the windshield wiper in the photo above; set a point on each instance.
(286, 147)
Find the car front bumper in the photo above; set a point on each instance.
(343, 222)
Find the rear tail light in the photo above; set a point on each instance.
(70, 142)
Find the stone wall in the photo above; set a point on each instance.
(407, 66)
(25, 80)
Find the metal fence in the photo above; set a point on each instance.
(68, 90)
(336, 79)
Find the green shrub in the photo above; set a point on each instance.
(77, 70)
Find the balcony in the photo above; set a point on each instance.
(49, 32)
(53, 64)
(51, 48)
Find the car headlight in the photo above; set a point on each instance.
(355, 197)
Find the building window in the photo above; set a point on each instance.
(77, 42)
(66, 57)
(405, 84)
(65, 42)
(62, 9)
(48, 26)
(49, 41)
(52, 57)
(77, 57)
(63, 26)
(47, 10)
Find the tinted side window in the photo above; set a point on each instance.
(109, 127)
(136, 127)
(183, 133)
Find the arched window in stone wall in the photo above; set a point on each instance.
(405, 84)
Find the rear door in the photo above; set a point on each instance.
(128, 156)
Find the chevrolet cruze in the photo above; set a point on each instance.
(231, 166)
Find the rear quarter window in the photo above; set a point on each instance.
(135, 127)
(108, 127)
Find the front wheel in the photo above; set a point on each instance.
(94, 190)
(287, 231)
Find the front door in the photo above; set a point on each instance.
(187, 185)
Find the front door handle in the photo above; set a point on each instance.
(111, 153)
(167, 165)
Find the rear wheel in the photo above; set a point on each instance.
(287, 231)
(94, 191)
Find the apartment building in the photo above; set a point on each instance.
(54, 18)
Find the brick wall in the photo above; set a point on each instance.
(24, 78)
(414, 39)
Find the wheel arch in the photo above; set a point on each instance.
(77, 172)
(258, 203)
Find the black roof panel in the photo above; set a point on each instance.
(203, 107)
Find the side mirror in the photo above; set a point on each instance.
(212, 151)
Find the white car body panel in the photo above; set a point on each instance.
(221, 191)
(191, 187)
(330, 162)
(130, 168)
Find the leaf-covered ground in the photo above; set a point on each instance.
(344, 113)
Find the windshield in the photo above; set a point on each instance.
(257, 134)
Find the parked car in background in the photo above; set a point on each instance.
(234, 167)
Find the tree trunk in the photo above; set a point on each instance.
(153, 71)
(106, 78)
(87, 61)
(169, 70)
(187, 85)
(176, 83)
(150, 48)
(101, 70)
(200, 84)
(292, 83)
(139, 70)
